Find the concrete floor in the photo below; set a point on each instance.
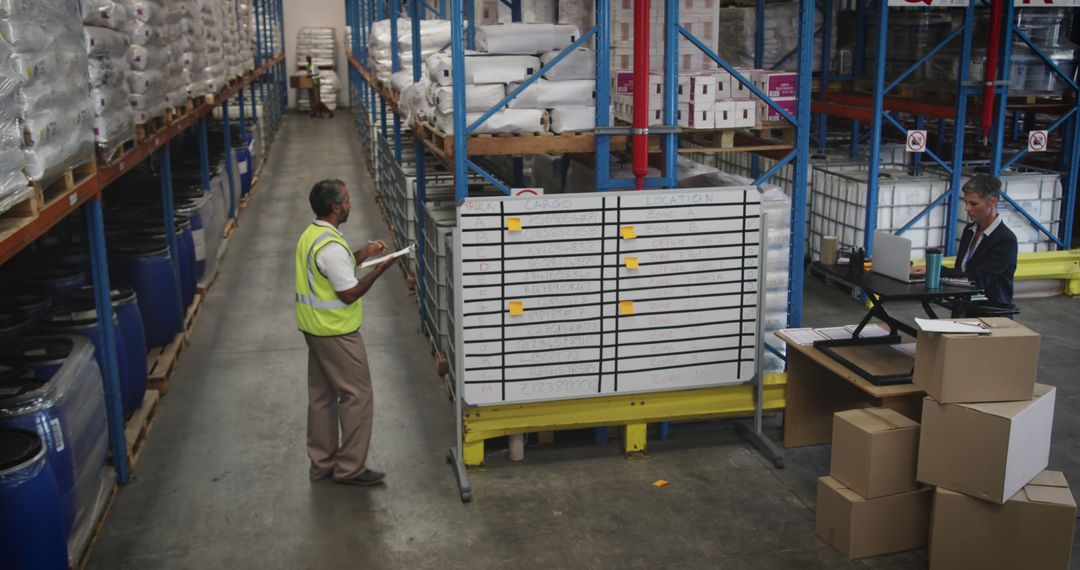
(223, 482)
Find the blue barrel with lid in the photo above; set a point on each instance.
(126, 305)
(13, 323)
(146, 266)
(75, 254)
(45, 355)
(243, 166)
(58, 279)
(32, 532)
(82, 321)
(33, 303)
(185, 247)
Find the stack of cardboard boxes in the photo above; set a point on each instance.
(712, 99)
(983, 445)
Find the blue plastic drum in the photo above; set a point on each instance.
(75, 254)
(70, 319)
(243, 164)
(57, 279)
(185, 247)
(125, 304)
(13, 323)
(190, 209)
(32, 533)
(148, 269)
(33, 303)
(44, 355)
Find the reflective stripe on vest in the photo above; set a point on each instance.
(319, 311)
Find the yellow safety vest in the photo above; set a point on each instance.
(319, 311)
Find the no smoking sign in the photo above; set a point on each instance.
(1037, 141)
(916, 141)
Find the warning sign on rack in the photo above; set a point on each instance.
(916, 141)
(1037, 141)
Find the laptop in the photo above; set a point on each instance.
(892, 258)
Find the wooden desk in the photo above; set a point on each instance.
(818, 387)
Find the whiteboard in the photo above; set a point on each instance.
(551, 305)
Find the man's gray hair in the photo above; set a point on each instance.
(325, 194)
(984, 185)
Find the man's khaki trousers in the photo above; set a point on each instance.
(339, 395)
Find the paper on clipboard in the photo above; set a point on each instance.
(950, 326)
(372, 262)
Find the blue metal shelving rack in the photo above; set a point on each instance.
(1066, 123)
(90, 192)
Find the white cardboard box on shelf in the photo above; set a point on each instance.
(701, 116)
(777, 83)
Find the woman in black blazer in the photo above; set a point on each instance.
(987, 254)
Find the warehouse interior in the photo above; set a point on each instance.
(697, 284)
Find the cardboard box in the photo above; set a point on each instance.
(769, 115)
(874, 451)
(723, 85)
(737, 90)
(989, 450)
(701, 116)
(745, 114)
(783, 84)
(998, 367)
(1034, 529)
(703, 89)
(860, 527)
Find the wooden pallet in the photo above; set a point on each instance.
(760, 138)
(442, 144)
(146, 130)
(22, 213)
(192, 316)
(138, 427)
(161, 363)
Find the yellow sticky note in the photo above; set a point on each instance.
(626, 307)
(513, 224)
(628, 232)
(660, 483)
(631, 263)
(517, 308)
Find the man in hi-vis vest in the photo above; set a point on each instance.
(329, 313)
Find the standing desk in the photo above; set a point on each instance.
(818, 386)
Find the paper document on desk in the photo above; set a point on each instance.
(372, 262)
(869, 331)
(803, 337)
(950, 326)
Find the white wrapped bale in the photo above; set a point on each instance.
(525, 39)
(544, 94)
(478, 98)
(573, 119)
(502, 122)
(579, 64)
(481, 69)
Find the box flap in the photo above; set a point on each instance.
(847, 494)
(1009, 409)
(1050, 479)
(1051, 495)
(874, 420)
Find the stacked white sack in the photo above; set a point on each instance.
(107, 48)
(52, 102)
(13, 187)
(148, 58)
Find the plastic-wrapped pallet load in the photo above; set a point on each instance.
(214, 73)
(434, 35)
(176, 43)
(52, 100)
(320, 44)
(68, 412)
(148, 57)
(13, 187)
(525, 39)
(738, 25)
(193, 59)
(114, 121)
